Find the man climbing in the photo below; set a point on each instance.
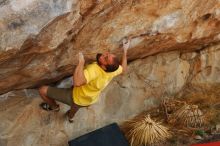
(88, 82)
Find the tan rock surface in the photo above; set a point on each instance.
(146, 83)
(208, 69)
(46, 51)
(175, 46)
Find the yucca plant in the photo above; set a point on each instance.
(144, 131)
(188, 115)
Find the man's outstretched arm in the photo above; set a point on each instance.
(78, 77)
(126, 45)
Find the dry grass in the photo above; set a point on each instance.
(207, 101)
(205, 96)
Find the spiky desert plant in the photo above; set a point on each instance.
(188, 115)
(170, 105)
(145, 131)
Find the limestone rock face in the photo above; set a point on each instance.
(175, 46)
(207, 68)
(40, 39)
(147, 82)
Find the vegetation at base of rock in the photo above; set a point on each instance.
(146, 131)
(206, 98)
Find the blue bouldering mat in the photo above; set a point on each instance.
(109, 135)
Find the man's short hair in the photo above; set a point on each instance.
(114, 66)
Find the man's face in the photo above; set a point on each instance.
(105, 58)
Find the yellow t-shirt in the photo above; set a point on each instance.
(97, 79)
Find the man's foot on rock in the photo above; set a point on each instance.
(70, 119)
(46, 106)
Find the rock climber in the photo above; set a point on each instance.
(88, 82)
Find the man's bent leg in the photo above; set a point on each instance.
(43, 93)
(74, 108)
